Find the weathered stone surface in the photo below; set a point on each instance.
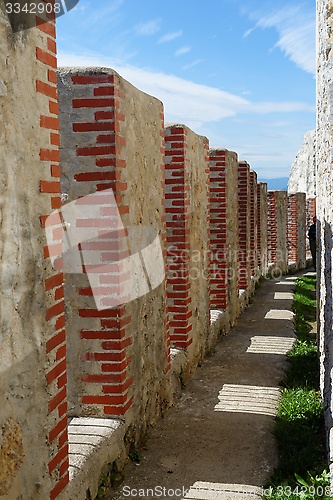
(324, 176)
(138, 167)
(303, 171)
(23, 412)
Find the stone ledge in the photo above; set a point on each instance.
(93, 442)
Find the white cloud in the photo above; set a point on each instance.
(170, 36)
(149, 28)
(248, 32)
(182, 51)
(192, 64)
(296, 27)
(186, 101)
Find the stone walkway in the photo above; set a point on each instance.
(217, 442)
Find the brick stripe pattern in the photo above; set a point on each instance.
(310, 210)
(271, 227)
(218, 230)
(243, 224)
(167, 337)
(292, 228)
(262, 227)
(253, 224)
(106, 380)
(56, 376)
(177, 198)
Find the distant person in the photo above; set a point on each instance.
(312, 241)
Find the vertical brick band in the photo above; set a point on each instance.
(50, 186)
(177, 196)
(218, 230)
(244, 224)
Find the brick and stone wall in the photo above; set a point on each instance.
(187, 213)
(119, 204)
(244, 226)
(113, 139)
(224, 231)
(33, 414)
(297, 230)
(277, 231)
(262, 227)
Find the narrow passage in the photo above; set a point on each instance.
(217, 442)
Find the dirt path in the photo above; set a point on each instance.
(217, 442)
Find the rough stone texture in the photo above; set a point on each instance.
(324, 177)
(137, 162)
(262, 227)
(24, 330)
(187, 159)
(303, 171)
(297, 231)
(277, 231)
(224, 230)
(196, 211)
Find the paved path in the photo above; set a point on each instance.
(217, 442)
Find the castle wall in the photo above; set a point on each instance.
(34, 449)
(324, 179)
(187, 212)
(112, 139)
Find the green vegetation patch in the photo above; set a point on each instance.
(302, 472)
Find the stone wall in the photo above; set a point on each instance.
(277, 231)
(224, 232)
(324, 176)
(110, 241)
(262, 228)
(297, 230)
(187, 212)
(33, 452)
(112, 139)
(302, 177)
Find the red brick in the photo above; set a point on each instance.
(58, 429)
(94, 127)
(55, 310)
(93, 103)
(49, 187)
(54, 281)
(56, 371)
(52, 76)
(61, 353)
(96, 151)
(55, 141)
(46, 89)
(46, 58)
(104, 91)
(46, 27)
(50, 155)
(51, 45)
(93, 79)
(54, 109)
(104, 400)
(49, 122)
(56, 203)
(55, 341)
(57, 400)
(60, 456)
(60, 486)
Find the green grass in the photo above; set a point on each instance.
(302, 472)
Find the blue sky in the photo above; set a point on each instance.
(241, 72)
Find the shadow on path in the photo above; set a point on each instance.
(220, 432)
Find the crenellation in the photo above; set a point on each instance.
(144, 247)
